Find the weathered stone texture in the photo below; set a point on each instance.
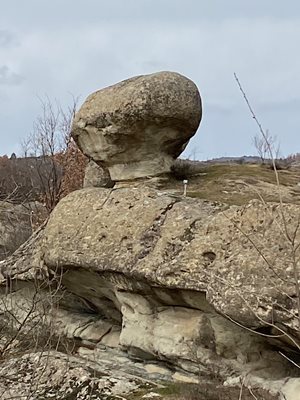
(238, 256)
(138, 126)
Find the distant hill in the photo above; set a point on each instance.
(238, 160)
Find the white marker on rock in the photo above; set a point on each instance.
(185, 183)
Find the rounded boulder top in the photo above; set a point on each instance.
(138, 126)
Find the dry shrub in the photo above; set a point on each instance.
(73, 163)
(184, 169)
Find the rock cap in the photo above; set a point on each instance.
(138, 126)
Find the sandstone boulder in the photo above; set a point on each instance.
(182, 243)
(142, 252)
(137, 127)
(198, 284)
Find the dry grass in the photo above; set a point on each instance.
(237, 184)
(211, 390)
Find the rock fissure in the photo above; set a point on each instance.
(150, 237)
(174, 249)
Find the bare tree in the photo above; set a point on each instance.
(264, 144)
(25, 146)
(55, 152)
(45, 143)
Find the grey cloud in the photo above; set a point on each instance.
(150, 64)
(292, 106)
(82, 46)
(58, 13)
(7, 77)
(217, 108)
(7, 39)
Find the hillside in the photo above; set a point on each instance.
(238, 183)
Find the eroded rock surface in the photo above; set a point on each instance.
(194, 283)
(137, 127)
(54, 375)
(182, 243)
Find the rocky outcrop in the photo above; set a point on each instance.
(183, 243)
(194, 283)
(137, 127)
(173, 273)
(183, 285)
(54, 375)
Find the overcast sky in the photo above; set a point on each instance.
(58, 47)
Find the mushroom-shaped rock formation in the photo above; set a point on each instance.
(138, 126)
